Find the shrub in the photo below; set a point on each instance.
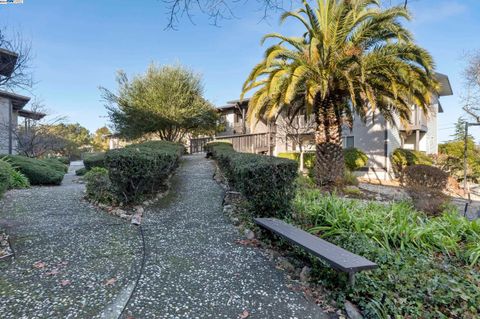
(401, 158)
(81, 171)
(38, 172)
(94, 160)
(56, 164)
(17, 179)
(428, 177)
(63, 159)
(308, 158)
(425, 185)
(5, 176)
(349, 178)
(424, 263)
(354, 159)
(98, 186)
(268, 183)
(141, 169)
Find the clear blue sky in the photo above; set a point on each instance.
(79, 45)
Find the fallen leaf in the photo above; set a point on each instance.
(52, 272)
(110, 282)
(244, 314)
(65, 282)
(39, 265)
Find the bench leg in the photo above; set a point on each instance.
(351, 279)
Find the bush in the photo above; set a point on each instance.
(38, 172)
(427, 177)
(349, 178)
(63, 159)
(56, 164)
(81, 171)
(402, 158)
(141, 169)
(354, 159)
(5, 176)
(94, 160)
(308, 158)
(268, 183)
(16, 179)
(98, 186)
(425, 264)
(425, 184)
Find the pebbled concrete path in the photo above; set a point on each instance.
(73, 261)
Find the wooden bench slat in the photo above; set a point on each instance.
(337, 257)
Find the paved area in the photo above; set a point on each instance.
(73, 261)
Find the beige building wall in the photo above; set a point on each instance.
(5, 109)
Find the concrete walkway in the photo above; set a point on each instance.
(73, 261)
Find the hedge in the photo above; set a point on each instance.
(354, 158)
(56, 163)
(5, 176)
(402, 158)
(94, 160)
(38, 172)
(141, 169)
(268, 183)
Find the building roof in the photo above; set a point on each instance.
(31, 114)
(445, 87)
(18, 101)
(8, 59)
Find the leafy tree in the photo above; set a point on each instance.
(459, 134)
(166, 102)
(451, 155)
(100, 139)
(354, 57)
(76, 139)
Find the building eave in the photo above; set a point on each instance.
(18, 101)
(31, 114)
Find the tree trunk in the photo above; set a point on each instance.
(329, 162)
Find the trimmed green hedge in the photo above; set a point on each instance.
(141, 169)
(402, 158)
(38, 172)
(56, 164)
(354, 158)
(94, 160)
(268, 183)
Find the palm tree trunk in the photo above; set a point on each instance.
(329, 162)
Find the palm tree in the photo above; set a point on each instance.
(355, 57)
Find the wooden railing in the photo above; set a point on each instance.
(245, 143)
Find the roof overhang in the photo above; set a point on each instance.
(242, 103)
(445, 87)
(31, 114)
(8, 60)
(18, 101)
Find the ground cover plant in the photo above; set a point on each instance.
(38, 172)
(428, 267)
(267, 182)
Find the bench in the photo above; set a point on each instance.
(337, 257)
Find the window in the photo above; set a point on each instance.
(349, 142)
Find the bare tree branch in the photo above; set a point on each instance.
(22, 73)
(471, 98)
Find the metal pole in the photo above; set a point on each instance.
(465, 162)
(465, 184)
